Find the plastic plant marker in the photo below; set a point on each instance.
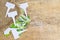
(24, 6)
(15, 33)
(12, 15)
(7, 31)
(9, 6)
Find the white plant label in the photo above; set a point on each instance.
(24, 7)
(12, 15)
(7, 31)
(14, 32)
(9, 6)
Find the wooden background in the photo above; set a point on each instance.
(45, 20)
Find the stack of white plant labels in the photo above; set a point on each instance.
(20, 24)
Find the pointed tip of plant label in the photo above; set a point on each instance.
(23, 5)
(10, 5)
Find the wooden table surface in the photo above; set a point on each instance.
(45, 20)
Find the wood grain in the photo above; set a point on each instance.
(45, 20)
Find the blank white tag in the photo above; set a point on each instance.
(24, 6)
(15, 33)
(9, 6)
(12, 15)
(7, 31)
